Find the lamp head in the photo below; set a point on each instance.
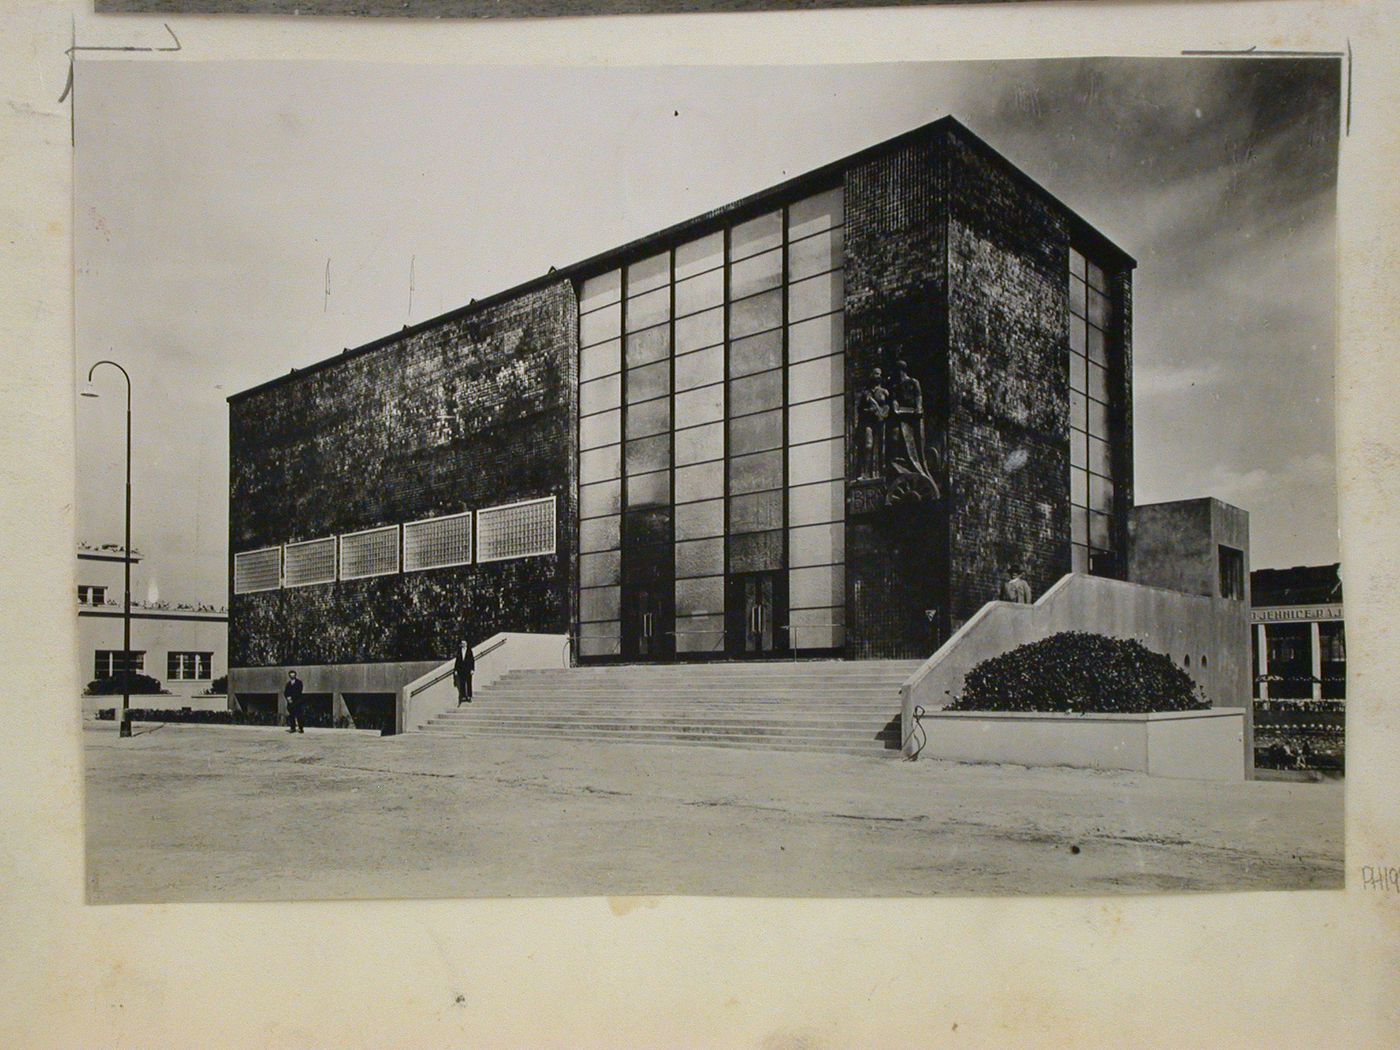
(88, 390)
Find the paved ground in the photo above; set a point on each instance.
(187, 813)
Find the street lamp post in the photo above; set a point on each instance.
(91, 391)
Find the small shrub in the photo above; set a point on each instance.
(1081, 672)
(218, 687)
(141, 684)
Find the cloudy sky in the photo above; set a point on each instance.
(212, 197)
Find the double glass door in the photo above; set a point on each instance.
(755, 602)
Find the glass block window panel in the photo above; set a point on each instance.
(756, 235)
(756, 353)
(700, 368)
(758, 273)
(600, 534)
(700, 293)
(602, 498)
(648, 345)
(600, 639)
(601, 569)
(600, 395)
(813, 255)
(700, 597)
(756, 473)
(599, 603)
(817, 337)
(517, 530)
(700, 330)
(815, 420)
(700, 558)
(817, 504)
(699, 256)
(435, 543)
(647, 310)
(757, 313)
(605, 428)
(259, 570)
(699, 444)
(812, 380)
(373, 552)
(700, 634)
(698, 521)
(312, 561)
(816, 296)
(700, 406)
(600, 325)
(815, 214)
(817, 461)
(756, 512)
(649, 274)
(756, 551)
(600, 291)
(817, 588)
(817, 545)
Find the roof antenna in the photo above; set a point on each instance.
(411, 262)
(327, 301)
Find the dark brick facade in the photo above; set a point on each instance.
(459, 414)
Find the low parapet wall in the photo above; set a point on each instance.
(432, 693)
(1193, 630)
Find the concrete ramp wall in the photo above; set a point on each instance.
(1198, 633)
(432, 693)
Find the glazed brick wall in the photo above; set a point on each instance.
(896, 286)
(1008, 433)
(471, 412)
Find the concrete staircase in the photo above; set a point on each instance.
(825, 706)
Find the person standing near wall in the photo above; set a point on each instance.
(296, 718)
(462, 672)
(1016, 589)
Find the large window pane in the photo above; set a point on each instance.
(698, 521)
(816, 295)
(648, 345)
(756, 313)
(815, 213)
(648, 454)
(1078, 450)
(648, 274)
(817, 337)
(700, 634)
(1098, 353)
(814, 255)
(1079, 488)
(1076, 262)
(597, 464)
(756, 235)
(598, 603)
(811, 380)
(817, 628)
(700, 293)
(757, 512)
(756, 433)
(643, 384)
(602, 429)
(600, 325)
(700, 368)
(757, 353)
(699, 256)
(817, 545)
(647, 310)
(599, 534)
(756, 274)
(1079, 525)
(700, 596)
(1078, 410)
(817, 588)
(1098, 309)
(600, 395)
(1100, 494)
(756, 473)
(699, 444)
(817, 419)
(1098, 382)
(1099, 531)
(601, 360)
(1076, 298)
(1078, 377)
(600, 291)
(700, 558)
(602, 644)
(756, 551)
(650, 417)
(700, 406)
(819, 461)
(1078, 340)
(1098, 419)
(602, 498)
(649, 490)
(1098, 457)
(702, 481)
(598, 570)
(700, 330)
(755, 393)
(817, 504)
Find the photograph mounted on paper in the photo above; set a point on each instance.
(884, 480)
(488, 8)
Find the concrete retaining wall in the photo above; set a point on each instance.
(1194, 745)
(433, 692)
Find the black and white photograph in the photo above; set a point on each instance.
(838, 481)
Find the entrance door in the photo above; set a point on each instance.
(646, 627)
(754, 629)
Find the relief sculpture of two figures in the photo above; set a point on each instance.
(891, 436)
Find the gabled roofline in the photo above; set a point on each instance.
(735, 210)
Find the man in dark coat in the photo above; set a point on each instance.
(462, 672)
(292, 691)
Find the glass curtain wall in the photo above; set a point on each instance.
(711, 431)
(1091, 474)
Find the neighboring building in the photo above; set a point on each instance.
(1300, 646)
(823, 420)
(182, 645)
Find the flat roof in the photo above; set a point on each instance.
(756, 202)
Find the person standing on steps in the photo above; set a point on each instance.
(296, 718)
(462, 672)
(1016, 589)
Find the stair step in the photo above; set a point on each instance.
(873, 747)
